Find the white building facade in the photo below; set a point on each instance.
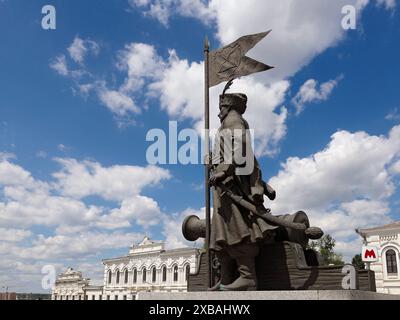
(147, 267)
(386, 240)
(69, 286)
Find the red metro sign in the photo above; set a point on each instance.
(369, 254)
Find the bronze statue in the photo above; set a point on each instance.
(236, 231)
(254, 249)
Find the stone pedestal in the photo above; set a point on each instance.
(269, 295)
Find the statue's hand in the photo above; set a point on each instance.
(217, 177)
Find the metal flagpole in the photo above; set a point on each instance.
(207, 159)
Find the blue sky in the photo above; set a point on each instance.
(77, 102)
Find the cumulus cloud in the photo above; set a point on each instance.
(29, 201)
(300, 30)
(172, 229)
(388, 4)
(394, 114)
(77, 246)
(140, 61)
(14, 235)
(162, 10)
(59, 64)
(76, 230)
(117, 102)
(265, 112)
(345, 186)
(81, 179)
(309, 92)
(81, 47)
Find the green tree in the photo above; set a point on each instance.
(357, 262)
(325, 247)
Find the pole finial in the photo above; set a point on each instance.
(206, 44)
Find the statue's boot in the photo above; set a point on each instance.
(245, 260)
(247, 279)
(228, 267)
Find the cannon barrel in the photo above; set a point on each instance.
(194, 228)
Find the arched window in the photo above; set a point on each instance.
(117, 277)
(391, 263)
(164, 274)
(109, 276)
(134, 275)
(187, 272)
(176, 273)
(153, 274)
(144, 272)
(126, 276)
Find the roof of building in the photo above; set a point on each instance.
(147, 247)
(386, 227)
(161, 253)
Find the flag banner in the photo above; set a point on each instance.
(230, 61)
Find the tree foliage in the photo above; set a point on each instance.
(325, 247)
(357, 262)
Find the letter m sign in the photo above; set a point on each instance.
(369, 254)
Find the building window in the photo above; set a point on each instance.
(176, 273)
(164, 274)
(116, 297)
(124, 297)
(154, 274)
(73, 297)
(100, 297)
(126, 276)
(144, 271)
(117, 277)
(67, 297)
(187, 272)
(93, 297)
(109, 276)
(134, 275)
(108, 297)
(391, 263)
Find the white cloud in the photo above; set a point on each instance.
(76, 246)
(300, 31)
(60, 65)
(80, 48)
(264, 113)
(141, 62)
(14, 235)
(162, 10)
(345, 186)
(81, 179)
(117, 102)
(309, 92)
(173, 229)
(81, 231)
(388, 4)
(14, 175)
(28, 201)
(63, 148)
(141, 210)
(393, 114)
(41, 154)
(395, 168)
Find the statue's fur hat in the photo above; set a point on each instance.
(237, 101)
